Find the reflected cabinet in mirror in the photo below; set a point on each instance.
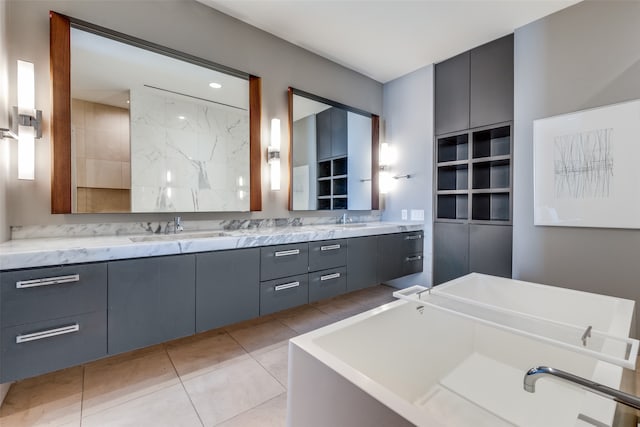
(334, 155)
(141, 128)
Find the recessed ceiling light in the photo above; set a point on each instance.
(181, 117)
(215, 85)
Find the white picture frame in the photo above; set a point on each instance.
(587, 168)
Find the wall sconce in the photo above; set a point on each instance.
(273, 154)
(388, 157)
(25, 122)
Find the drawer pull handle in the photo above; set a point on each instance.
(330, 276)
(47, 281)
(414, 258)
(414, 237)
(48, 333)
(330, 247)
(287, 286)
(287, 253)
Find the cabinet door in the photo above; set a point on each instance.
(391, 253)
(227, 287)
(362, 263)
(338, 132)
(490, 249)
(151, 300)
(450, 251)
(452, 94)
(491, 92)
(323, 134)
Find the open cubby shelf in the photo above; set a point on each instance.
(332, 184)
(473, 181)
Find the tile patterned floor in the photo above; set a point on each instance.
(233, 376)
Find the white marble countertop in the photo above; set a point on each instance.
(25, 253)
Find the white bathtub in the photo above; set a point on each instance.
(400, 365)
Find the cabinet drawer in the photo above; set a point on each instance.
(327, 254)
(47, 293)
(413, 242)
(327, 283)
(276, 295)
(412, 263)
(283, 260)
(36, 348)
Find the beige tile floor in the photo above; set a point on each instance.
(233, 376)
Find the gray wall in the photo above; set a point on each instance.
(408, 125)
(585, 56)
(190, 27)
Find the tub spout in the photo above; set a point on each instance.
(534, 374)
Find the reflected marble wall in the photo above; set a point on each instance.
(187, 154)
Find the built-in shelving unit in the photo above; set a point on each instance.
(476, 187)
(332, 184)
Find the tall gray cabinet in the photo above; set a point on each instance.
(473, 187)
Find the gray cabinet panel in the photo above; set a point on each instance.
(327, 283)
(450, 251)
(283, 260)
(280, 294)
(327, 254)
(227, 287)
(47, 299)
(338, 132)
(491, 90)
(413, 263)
(151, 300)
(323, 134)
(399, 254)
(362, 263)
(452, 94)
(490, 249)
(55, 351)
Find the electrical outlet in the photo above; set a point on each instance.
(417, 214)
(404, 214)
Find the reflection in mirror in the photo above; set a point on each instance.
(154, 130)
(331, 155)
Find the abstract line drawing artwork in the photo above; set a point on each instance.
(585, 168)
(583, 164)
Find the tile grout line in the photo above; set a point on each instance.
(164, 347)
(250, 409)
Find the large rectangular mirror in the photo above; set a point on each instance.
(151, 129)
(333, 155)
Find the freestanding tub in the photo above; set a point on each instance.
(414, 363)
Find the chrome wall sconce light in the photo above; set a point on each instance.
(25, 122)
(388, 157)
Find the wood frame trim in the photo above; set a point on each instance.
(375, 162)
(60, 72)
(255, 143)
(290, 116)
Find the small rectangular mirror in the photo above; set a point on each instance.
(333, 155)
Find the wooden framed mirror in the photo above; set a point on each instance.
(334, 155)
(190, 149)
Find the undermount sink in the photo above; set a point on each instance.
(178, 236)
(354, 225)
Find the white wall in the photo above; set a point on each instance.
(408, 125)
(193, 28)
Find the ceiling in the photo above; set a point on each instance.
(385, 39)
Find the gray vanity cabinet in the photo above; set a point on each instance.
(283, 260)
(280, 294)
(151, 300)
(52, 318)
(284, 279)
(327, 269)
(399, 254)
(227, 287)
(362, 263)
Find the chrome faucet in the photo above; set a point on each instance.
(344, 219)
(177, 225)
(534, 374)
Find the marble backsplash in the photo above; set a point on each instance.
(157, 227)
